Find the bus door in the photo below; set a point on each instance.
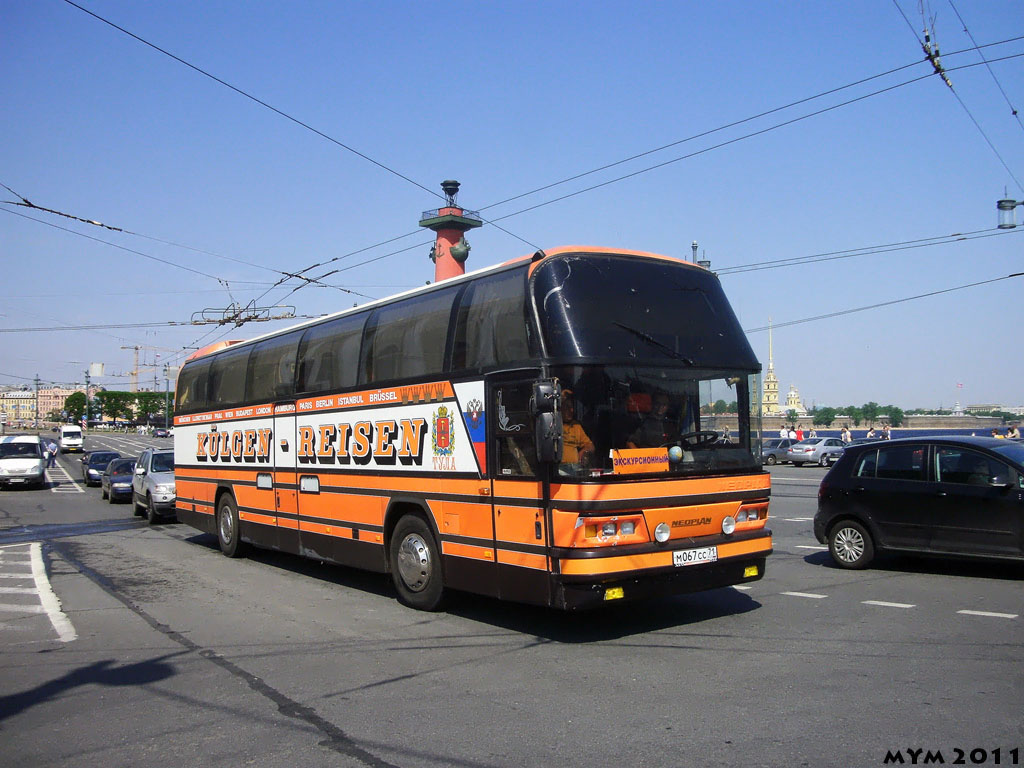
(520, 524)
(284, 477)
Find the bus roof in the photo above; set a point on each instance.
(535, 260)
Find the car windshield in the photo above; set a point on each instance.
(772, 443)
(1011, 450)
(121, 467)
(163, 462)
(102, 457)
(19, 450)
(71, 433)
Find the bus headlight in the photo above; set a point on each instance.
(728, 524)
(662, 532)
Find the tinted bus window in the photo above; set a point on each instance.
(272, 368)
(329, 355)
(227, 377)
(492, 327)
(190, 393)
(407, 339)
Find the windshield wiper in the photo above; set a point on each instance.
(654, 342)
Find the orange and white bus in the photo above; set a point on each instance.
(540, 431)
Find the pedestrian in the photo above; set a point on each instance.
(783, 432)
(1012, 432)
(885, 432)
(871, 433)
(844, 434)
(51, 453)
(799, 432)
(792, 433)
(812, 433)
(995, 433)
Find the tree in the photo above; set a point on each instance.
(151, 404)
(74, 404)
(721, 407)
(855, 414)
(118, 405)
(792, 415)
(895, 415)
(870, 411)
(824, 416)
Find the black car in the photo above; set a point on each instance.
(116, 480)
(93, 464)
(959, 496)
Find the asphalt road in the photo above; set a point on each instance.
(154, 649)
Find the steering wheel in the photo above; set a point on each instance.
(697, 439)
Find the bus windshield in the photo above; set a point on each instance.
(699, 422)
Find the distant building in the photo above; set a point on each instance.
(18, 406)
(51, 399)
(770, 389)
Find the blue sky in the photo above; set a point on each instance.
(506, 98)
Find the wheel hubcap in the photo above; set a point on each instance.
(849, 545)
(226, 524)
(414, 564)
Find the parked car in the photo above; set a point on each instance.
(22, 461)
(93, 464)
(818, 450)
(961, 496)
(774, 451)
(153, 484)
(116, 480)
(161, 432)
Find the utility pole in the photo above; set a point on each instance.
(37, 400)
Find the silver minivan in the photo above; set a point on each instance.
(153, 485)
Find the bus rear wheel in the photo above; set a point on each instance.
(416, 564)
(229, 536)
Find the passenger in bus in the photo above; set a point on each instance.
(577, 447)
(657, 428)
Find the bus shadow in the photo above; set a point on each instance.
(610, 622)
(614, 621)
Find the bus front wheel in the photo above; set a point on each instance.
(228, 533)
(416, 564)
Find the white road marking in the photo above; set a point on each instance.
(887, 605)
(13, 608)
(740, 586)
(62, 485)
(797, 519)
(805, 594)
(65, 630)
(808, 546)
(17, 591)
(991, 614)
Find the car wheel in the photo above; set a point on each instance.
(416, 564)
(151, 516)
(135, 504)
(110, 497)
(228, 533)
(103, 493)
(850, 545)
(770, 460)
(823, 461)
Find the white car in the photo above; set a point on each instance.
(22, 461)
(153, 484)
(70, 438)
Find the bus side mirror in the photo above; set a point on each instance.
(548, 435)
(546, 397)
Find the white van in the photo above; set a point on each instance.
(22, 461)
(70, 438)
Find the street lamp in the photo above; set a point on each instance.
(1007, 218)
(167, 395)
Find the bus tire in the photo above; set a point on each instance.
(416, 564)
(229, 535)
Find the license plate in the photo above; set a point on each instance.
(695, 556)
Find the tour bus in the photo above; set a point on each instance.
(542, 431)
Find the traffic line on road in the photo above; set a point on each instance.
(808, 546)
(811, 595)
(884, 604)
(741, 586)
(62, 484)
(797, 519)
(990, 614)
